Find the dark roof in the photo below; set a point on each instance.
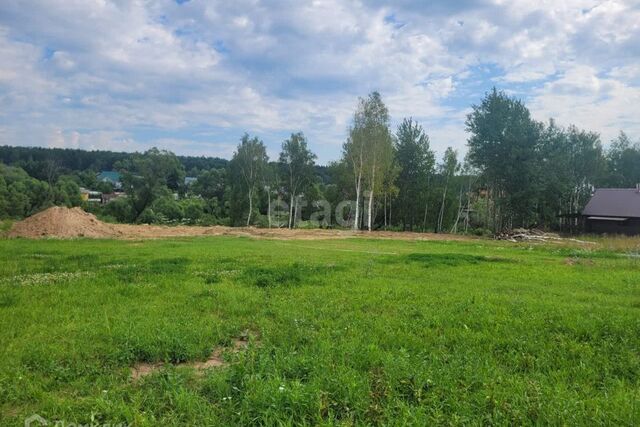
(617, 202)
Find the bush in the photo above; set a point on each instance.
(67, 193)
(307, 225)
(120, 209)
(226, 221)
(168, 207)
(148, 216)
(208, 219)
(260, 221)
(481, 232)
(193, 210)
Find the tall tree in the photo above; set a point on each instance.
(380, 150)
(296, 163)
(586, 164)
(148, 176)
(415, 162)
(450, 166)
(354, 155)
(247, 166)
(369, 151)
(623, 158)
(504, 146)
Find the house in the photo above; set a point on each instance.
(90, 196)
(188, 180)
(112, 177)
(614, 211)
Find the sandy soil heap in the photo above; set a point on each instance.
(64, 223)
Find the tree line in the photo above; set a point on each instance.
(518, 172)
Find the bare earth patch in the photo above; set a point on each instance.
(215, 360)
(65, 223)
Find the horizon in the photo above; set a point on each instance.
(192, 77)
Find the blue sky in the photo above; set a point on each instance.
(193, 76)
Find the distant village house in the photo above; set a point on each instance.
(112, 177)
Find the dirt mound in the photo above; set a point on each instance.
(63, 223)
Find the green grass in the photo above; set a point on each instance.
(5, 226)
(351, 332)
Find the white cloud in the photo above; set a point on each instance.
(589, 101)
(132, 74)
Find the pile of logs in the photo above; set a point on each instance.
(533, 235)
(523, 234)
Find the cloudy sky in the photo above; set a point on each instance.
(192, 76)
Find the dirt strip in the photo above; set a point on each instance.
(65, 223)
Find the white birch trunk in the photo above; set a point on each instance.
(370, 211)
(291, 211)
(358, 186)
(444, 196)
(250, 207)
(269, 207)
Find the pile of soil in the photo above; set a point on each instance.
(63, 223)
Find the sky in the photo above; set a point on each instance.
(193, 76)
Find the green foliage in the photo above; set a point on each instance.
(504, 146)
(368, 153)
(426, 333)
(67, 192)
(149, 176)
(210, 184)
(415, 161)
(297, 169)
(247, 168)
(624, 162)
(193, 210)
(38, 161)
(22, 195)
(149, 216)
(168, 207)
(121, 209)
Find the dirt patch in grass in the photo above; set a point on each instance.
(215, 360)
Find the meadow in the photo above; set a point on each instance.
(339, 332)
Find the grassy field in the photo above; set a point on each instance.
(350, 332)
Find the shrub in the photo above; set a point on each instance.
(193, 210)
(120, 209)
(148, 216)
(169, 208)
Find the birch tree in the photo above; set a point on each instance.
(248, 165)
(380, 159)
(369, 151)
(296, 163)
(353, 153)
(450, 167)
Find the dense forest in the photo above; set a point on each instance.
(517, 173)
